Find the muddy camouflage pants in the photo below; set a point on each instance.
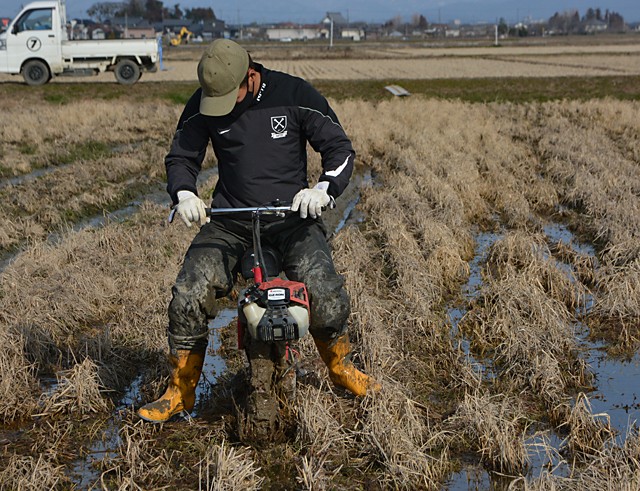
(213, 261)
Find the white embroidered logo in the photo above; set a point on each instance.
(279, 126)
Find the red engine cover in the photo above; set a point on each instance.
(297, 291)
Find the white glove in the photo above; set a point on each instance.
(191, 208)
(311, 201)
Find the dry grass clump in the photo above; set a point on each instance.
(116, 285)
(17, 381)
(616, 313)
(614, 467)
(138, 465)
(312, 475)
(528, 337)
(79, 391)
(318, 427)
(226, 468)
(529, 305)
(495, 427)
(588, 432)
(398, 434)
(37, 207)
(45, 135)
(583, 265)
(27, 473)
(619, 119)
(116, 277)
(519, 253)
(354, 254)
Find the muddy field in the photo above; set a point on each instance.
(492, 256)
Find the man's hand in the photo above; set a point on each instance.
(191, 208)
(311, 201)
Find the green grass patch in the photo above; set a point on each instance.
(89, 150)
(27, 149)
(180, 97)
(58, 99)
(518, 90)
(532, 89)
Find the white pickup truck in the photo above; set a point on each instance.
(36, 45)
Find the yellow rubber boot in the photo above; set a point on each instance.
(186, 367)
(341, 371)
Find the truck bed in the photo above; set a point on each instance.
(108, 48)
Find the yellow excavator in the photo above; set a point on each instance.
(183, 37)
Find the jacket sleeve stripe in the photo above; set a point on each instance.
(338, 171)
(321, 114)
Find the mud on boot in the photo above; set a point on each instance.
(336, 354)
(180, 396)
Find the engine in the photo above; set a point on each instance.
(276, 310)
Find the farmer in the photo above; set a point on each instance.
(259, 122)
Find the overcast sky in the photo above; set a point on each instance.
(305, 11)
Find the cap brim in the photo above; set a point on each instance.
(218, 106)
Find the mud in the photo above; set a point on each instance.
(615, 398)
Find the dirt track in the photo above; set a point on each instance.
(419, 63)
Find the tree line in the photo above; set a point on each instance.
(151, 10)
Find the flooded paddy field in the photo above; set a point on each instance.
(492, 257)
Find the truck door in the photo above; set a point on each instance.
(34, 35)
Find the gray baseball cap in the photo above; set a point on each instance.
(221, 70)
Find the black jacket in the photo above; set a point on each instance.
(261, 150)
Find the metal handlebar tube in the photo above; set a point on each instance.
(279, 210)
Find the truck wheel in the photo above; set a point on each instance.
(36, 72)
(127, 72)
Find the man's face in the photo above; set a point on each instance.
(248, 86)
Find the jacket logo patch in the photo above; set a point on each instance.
(279, 126)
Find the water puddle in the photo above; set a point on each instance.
(86, 471)
(31, 176)
(214, 364)
(616, 397)
(617, 391)
(470, 289)
(345, 212)
(157, 196)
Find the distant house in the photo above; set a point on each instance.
(452, 32)
(355, 33)
(204, 30)
(139, 32)
(290, 32)
(211, 29)
(337, 18)
(594, 26)
(132, 28)
(334, 23)
(172, 25)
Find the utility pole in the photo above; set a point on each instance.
(331, 34)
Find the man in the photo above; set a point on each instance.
(259, 122)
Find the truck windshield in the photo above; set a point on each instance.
(36, 20)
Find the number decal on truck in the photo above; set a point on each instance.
(34, 44)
